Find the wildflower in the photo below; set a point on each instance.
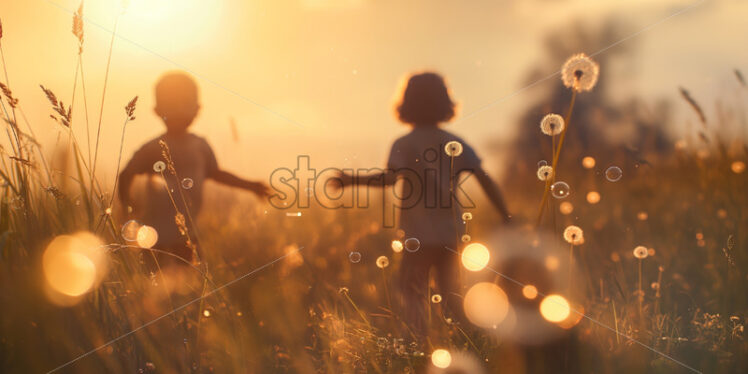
(383, 262)
(574, 235)
(545, 172)
(641, 252)
(580, 73)
(453, 148)
(552, 124)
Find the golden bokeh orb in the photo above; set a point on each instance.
(566, 208)
(147, 236)
(588, 162)
(486, 305)
(72, 264)
(529, 291)
(593, 197)
(555, 308)
(397, 246)
(475, 257)
(441, 358)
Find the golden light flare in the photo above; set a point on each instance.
(147, 236)
(566, 208)
(397, 246)
(593, 197)
(475, 257)
(73, 264)
(486, 305)
(574, 317)
(441, 358)
(588, 162)
(530, 292)
(738, 167)
(555, 308)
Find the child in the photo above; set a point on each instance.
(430, 215)
(177, 104)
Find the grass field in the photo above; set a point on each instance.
(280, 293)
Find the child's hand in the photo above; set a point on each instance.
(339, 181)
(260, 189)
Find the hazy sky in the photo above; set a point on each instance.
(318, 76)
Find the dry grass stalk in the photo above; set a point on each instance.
(696, 107)
(78, 27)
(58, 106)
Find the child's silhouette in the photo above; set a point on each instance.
(428, 214)
(177, 104)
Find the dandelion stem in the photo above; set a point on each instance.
(557, 153)
(571, 262)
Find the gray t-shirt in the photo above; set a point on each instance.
(193, 159)
(423, 168)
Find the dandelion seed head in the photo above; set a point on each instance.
(641, 252)
(580, 73)
(465, 238)
(436, 298)
(545, 172)
(552, 124)
(467, 216)
(574, 235)
(354, 257)
(383, 262)
(159, 166)
(453, 148)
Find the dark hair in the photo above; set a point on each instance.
(425, 101)
(176, 88)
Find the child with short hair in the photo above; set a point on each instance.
(177, 103)
(418, 158)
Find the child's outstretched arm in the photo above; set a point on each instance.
(229, 179)
(381, 179)
(493, 192)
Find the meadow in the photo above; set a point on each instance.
(274, 292)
